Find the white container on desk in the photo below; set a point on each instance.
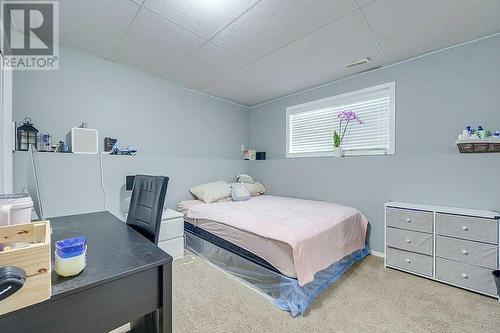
(171, 238)
(15, 209)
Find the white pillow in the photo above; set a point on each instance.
(239, 192)
(244, 178)
(254, 189)
(211, 192)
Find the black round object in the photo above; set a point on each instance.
(11, 280)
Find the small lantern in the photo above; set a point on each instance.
(26, 135)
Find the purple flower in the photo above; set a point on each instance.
(348, 116)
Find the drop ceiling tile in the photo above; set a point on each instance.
(252, 90)
(390, 17)
(244, 92)
(156, 45)
(94, 27)
(158, 38)
(309, 61)
(321, 73)
(464, 25)
(321, 47)
(208, 64)
(146, 58)
(272, 23)
(202, 17)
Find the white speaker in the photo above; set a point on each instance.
(84, 141)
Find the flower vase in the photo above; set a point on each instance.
(337, 152)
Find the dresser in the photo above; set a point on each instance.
(171, 238)
(456, 246)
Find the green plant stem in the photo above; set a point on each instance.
(343, 133)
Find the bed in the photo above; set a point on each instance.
(289, 249)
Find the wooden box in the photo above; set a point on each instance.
(33, 258)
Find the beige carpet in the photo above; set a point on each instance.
(368, 298)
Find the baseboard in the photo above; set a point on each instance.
(377, 254)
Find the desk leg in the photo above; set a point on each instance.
(165, 312)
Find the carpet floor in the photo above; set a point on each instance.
(369, 298)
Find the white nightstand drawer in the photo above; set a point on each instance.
(171, 229)
(174, 247)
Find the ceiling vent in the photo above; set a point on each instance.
(358, 63)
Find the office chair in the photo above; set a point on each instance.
(144, 215)
(146, 205)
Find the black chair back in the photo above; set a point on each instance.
(146, 205)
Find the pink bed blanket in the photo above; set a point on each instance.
(319, 233)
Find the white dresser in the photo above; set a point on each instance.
(456, 246)
(171, 238)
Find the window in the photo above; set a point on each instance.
(310, 126)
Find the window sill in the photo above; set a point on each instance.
(346, 154)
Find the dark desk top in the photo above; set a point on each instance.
(114, 251)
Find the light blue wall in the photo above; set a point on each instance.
(436, 96)
(194, 138)
(189, 137)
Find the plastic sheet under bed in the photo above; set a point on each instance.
(284, 291)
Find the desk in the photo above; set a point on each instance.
(127, 277)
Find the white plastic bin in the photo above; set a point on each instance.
(15, 208)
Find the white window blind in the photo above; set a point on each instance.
(310, 126)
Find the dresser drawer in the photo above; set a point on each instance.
(409, 240)
(413, 262)
(170, 229)
(465, 227)
(409, 219)
(468, 252)
(465, 275)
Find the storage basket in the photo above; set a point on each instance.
(479, 146)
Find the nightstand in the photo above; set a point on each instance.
(171, 238)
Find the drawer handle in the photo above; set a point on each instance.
(465, 276)
(408, 220)
(408, 261)
(465, 252)
(465, 228)
(408, 241)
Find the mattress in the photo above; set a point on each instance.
(298, 237)
(276, 253)
(285, 292)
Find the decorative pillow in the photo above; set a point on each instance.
(211, 192)
(255, 188)
(244, 178)
(239, 192)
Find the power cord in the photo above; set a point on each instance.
(191, 261)
(101, 171)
